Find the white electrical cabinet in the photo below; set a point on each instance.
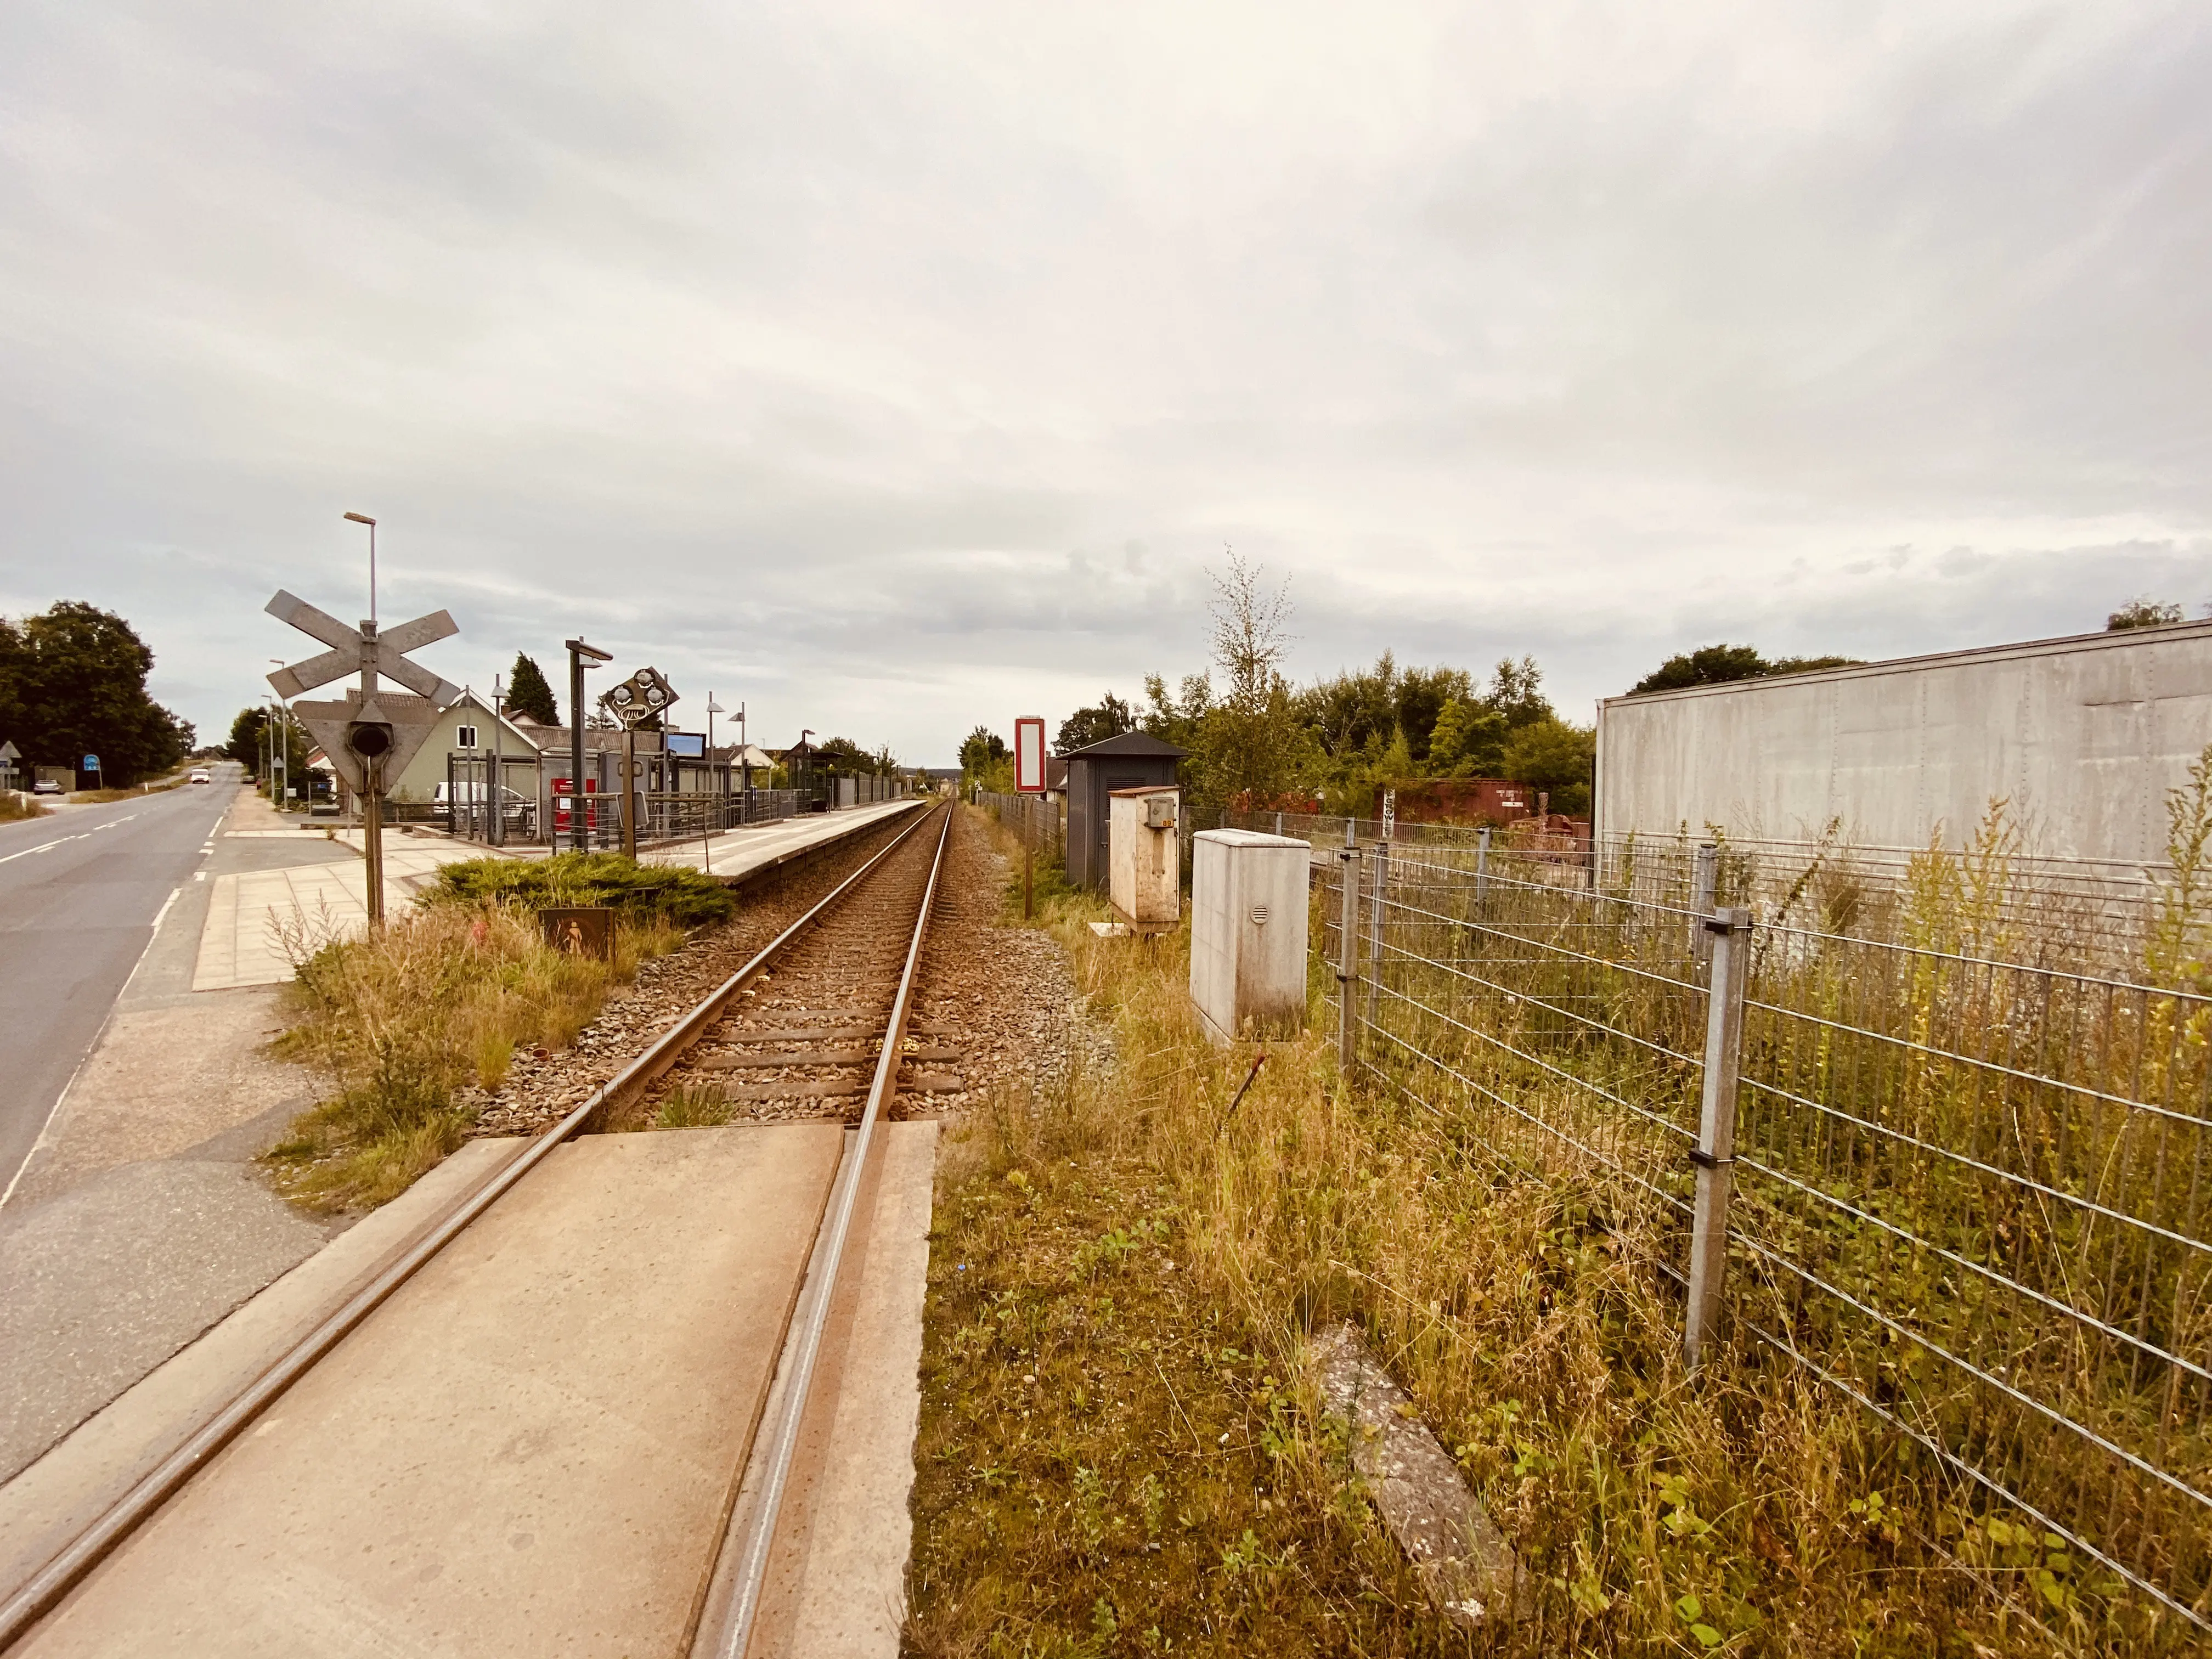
(1144, 858)
(1247, 932)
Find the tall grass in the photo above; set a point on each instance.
(404, 1022)
(1969, 1186)
(1519, 1291)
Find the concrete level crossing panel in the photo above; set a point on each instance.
(529, 1450)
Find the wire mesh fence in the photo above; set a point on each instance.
(1036, 818)
(2050, 912)
(1967, 1191)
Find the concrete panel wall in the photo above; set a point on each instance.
(2083, 736)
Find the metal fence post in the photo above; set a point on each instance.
(1347, 957)
(1714, 1155)
(1374, 924)
(1705, 886)
(1481, 864)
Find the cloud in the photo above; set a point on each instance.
(835, 357)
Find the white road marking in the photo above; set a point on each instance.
(43, 847)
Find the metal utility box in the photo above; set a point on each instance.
(1247, 932)
(1145, 860)
(1131, 761)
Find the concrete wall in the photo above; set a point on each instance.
(2084, 736)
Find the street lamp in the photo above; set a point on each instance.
(282, 766)
(495, 829)
(363, 518)
(580, 657)
(713, 709)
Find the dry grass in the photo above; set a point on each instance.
(403, 1021)
(1750, 1512)
(14, 807)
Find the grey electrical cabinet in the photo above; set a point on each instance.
(1131, 761)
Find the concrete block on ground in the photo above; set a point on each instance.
(1247, 932)
(1463, 1561)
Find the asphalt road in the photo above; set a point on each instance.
(80, 893)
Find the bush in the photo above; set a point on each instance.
(682, 897)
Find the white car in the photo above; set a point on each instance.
(200, 775)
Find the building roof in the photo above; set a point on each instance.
(1129, 743)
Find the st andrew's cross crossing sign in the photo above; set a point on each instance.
(369, 747)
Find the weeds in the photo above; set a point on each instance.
(407, 1021)
(682, 897)
(1521, 1299)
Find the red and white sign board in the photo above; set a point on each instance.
(1029, 755)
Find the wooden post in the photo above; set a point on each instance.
(1715, 1154)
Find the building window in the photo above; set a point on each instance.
(464, 737)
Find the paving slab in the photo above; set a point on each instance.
(47, 1504)
(251, 913)
(529, 1449)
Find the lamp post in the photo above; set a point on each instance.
(284, 754)
(580, 657)
(363, 518)
(494, 831)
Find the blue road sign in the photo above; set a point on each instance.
(92, 762)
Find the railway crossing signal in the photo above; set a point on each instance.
(369, 748)
(635, 700)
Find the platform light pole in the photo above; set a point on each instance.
(363, 518)
(494, 831)
(707, 840)
(580, 657)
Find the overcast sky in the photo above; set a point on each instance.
(898, 367)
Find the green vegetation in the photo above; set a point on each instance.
(528, 693)
(403, 1021)
(73, 684)
(1120, 1448)
(678, 896)
(2146, 613)
(1718, 664)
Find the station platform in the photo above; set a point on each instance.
(322, 894)
(759, 846)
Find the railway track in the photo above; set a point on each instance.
(817, 1026)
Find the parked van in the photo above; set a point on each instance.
(516, 810)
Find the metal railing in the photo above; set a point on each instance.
(1969, 1193)
(1036, 819)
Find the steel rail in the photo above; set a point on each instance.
(39, 1594)
(804, 1345)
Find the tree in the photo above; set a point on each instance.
(1553, 755)
(2143, 613)
(1515, 693)
(1468, 740)
(528, 693)
(1252, 744)
(1110, 718)
(1718, 664)
(985, 759)
(73, 682)
(246, 741)
(1709, 665)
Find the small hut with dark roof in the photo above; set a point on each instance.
(1131, 761)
